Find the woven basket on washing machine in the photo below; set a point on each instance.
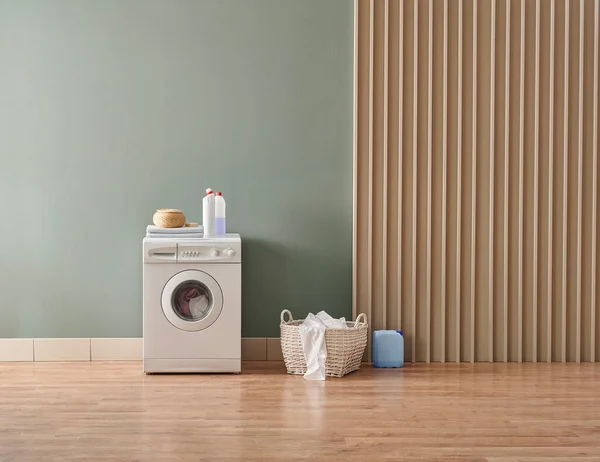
(345, 347)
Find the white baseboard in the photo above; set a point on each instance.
(16, 349)
(112, 349)
(261, 349)
(254, 349)
(61, 349)
(274, 350)
(116, 349)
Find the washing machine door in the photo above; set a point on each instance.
(192, 300)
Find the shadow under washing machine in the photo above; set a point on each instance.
(192, 304)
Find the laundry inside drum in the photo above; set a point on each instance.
(192, 301)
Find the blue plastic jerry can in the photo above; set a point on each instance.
(388, 348)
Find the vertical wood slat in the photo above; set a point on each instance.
(371, 98)
(506, 178)
(444, 182)
(414, 175)
(551, 181)
(380, 103)
(536, 175)
(565, 186)
(384, 214)
(521, 166)
(459, 181)
(355, 165)
(429, 171)
(594, 184)
(580, 179)
(473, 180)
(400, 153)
(492, 185)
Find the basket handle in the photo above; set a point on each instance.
(282, 317)
(362, 317)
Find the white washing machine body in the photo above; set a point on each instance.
(192, 304)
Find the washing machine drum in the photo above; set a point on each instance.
(192, 300)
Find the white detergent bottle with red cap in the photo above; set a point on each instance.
(220, 227)
(208, 213)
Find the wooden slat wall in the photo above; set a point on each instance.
(476, 177)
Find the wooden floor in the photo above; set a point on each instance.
(481, 412)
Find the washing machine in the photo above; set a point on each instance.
(192, 304)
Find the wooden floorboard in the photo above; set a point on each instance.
(455, 412)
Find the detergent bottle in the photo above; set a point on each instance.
(388, 348)
(208, 213)
(220, 225)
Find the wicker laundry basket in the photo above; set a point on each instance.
(345, 347)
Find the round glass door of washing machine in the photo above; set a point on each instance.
(192, 300)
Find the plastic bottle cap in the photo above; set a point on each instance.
(209, 191)
(219, 194)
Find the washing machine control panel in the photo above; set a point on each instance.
(209, 252)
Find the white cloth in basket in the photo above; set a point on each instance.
(331, 322)
(312, 336)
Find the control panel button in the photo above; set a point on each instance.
(215, 253)
(230, 253)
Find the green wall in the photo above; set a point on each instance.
(110, 109)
